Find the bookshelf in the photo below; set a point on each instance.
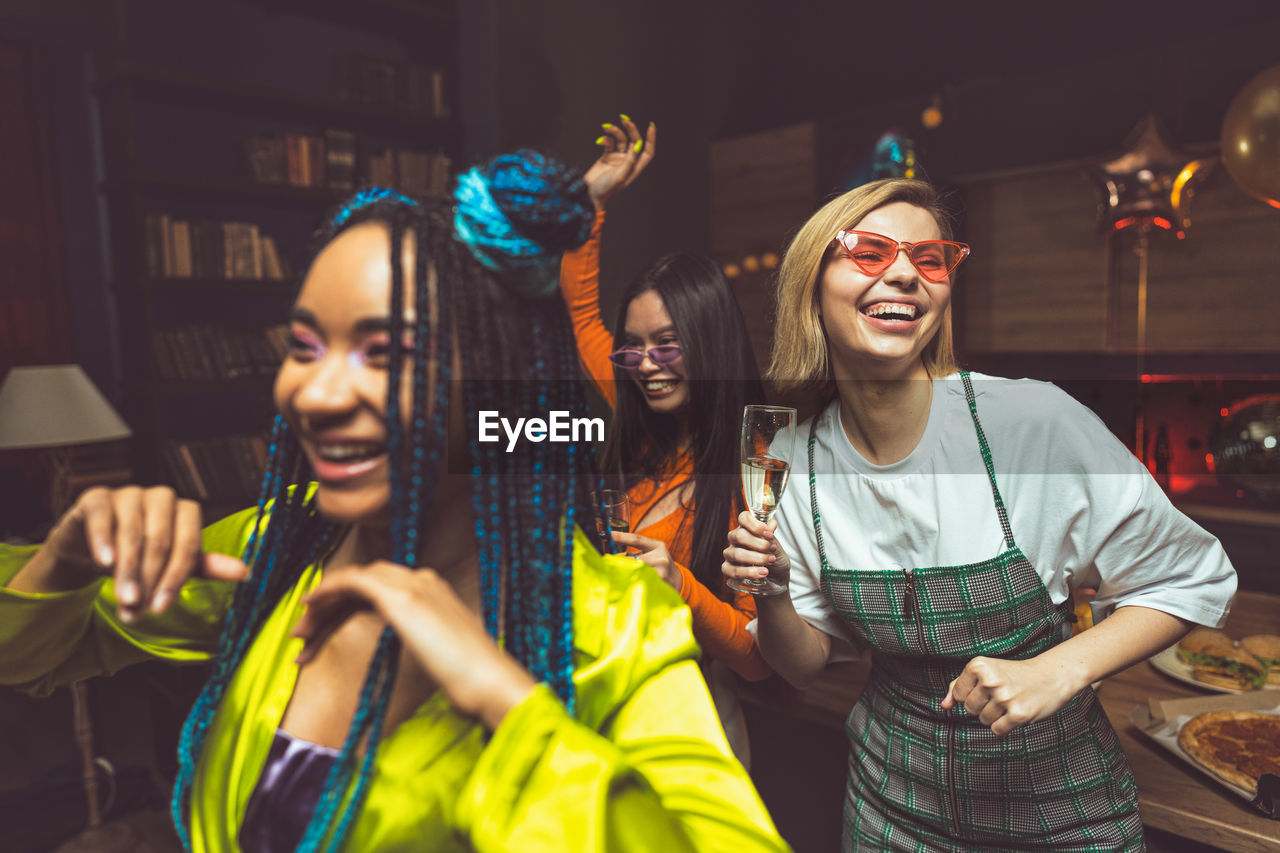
(199, 187)
(228, 130)
(173, 85)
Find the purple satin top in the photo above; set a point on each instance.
(288, 790)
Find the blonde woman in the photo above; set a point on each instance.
(941, 519)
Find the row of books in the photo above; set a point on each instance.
(414, 173)
(178, 248)
(302, 160)
(209, 353)
(332, 160)
(218, 469)
(364, 79)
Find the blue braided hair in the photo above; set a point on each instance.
(526, 503)
(503, 217)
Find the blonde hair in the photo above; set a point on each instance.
(799, 355)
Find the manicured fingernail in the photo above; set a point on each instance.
(127, 616)
(639, 144)
(106, 556)
(624, 116)
(607, 126)
(773, 558)
(161, 600)
(127, 592)
(600, 141)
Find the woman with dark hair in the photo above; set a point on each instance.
(516, 694)
(678, 370)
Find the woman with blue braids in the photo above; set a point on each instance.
(414, 645)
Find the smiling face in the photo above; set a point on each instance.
(878, 326)
(664, 386)
(332, 387)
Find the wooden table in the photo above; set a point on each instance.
(1173, 796)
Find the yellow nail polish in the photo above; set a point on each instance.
(624, 116)
(639, 144)
(607, 126)
(600, 141)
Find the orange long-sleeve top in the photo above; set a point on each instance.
(718, 626)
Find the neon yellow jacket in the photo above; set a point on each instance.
(644, 766)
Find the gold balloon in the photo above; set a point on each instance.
(1251, 137)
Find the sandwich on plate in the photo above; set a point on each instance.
(1215, 659)
(1266, 648)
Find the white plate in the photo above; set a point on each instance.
(1173, 666)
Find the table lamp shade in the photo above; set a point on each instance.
(55, 406)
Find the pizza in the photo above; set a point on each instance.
(1236, 746)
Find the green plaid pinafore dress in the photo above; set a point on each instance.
(921, 778)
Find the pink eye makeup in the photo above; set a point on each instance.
(305, 344)
(370, 348)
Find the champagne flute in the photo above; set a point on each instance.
(768, 436)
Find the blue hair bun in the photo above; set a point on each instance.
(366, 198)
(544, 199)
(520, 214)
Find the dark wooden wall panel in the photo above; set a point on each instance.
(762, 191)
(1219, 289)
(1037, 277)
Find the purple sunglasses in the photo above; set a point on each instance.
(630, 359)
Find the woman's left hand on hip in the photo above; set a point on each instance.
(1007, 694)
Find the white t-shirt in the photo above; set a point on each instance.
(1083, 509)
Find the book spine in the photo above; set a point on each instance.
(179, 474)
(315, 161)
(293, 159)
(166, 245)
(255, 250)
(153, 251)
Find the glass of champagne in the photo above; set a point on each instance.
(613, 512)
(768, 435)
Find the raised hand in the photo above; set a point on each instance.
(444, 636)
(653, 552)
(148, 540)
(626, 154)
(754, 553)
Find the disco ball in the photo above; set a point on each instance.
(1246, 447)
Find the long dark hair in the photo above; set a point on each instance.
(723, 377)
(487, 266)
